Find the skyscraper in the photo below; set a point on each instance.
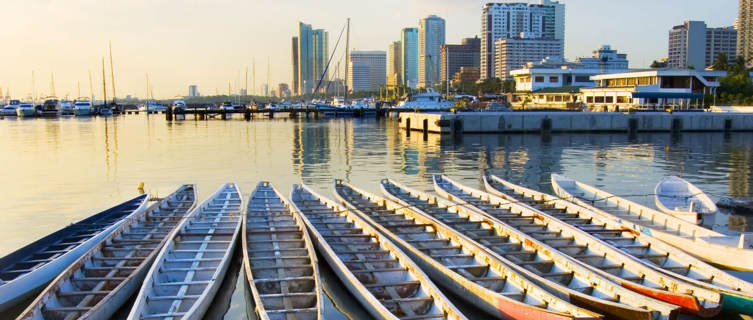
(545, 20)
(455, 56)
(313, 53)
(431, 36)
(367, 70)
(294, 54)
(693, 44)
(744, 26)
(394, 64)
(409, 49)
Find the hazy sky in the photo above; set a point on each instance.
(210, 43)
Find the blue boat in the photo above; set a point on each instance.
(26, 271)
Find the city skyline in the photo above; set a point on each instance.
(209, 45)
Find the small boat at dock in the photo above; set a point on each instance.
(678, 197)
(10, 109)
(25, 110)
(708, 245)
(698, 277)
(101, 281)
(82, 107)
(555, 272)
(460, 265)
(27, 270)
(50, 108)
(379, 275)
(190, 268)
(66, 108)
(279, 259)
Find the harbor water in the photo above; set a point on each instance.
(58, 171)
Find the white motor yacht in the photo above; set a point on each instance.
(66, 108)
(427, 100)
(82, 107)
(10, 109)
(152, 106)
(25, 110)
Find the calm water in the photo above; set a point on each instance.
(58, 171)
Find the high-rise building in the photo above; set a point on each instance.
(367, 70)
(283, 91)
(394, 64)
(409, 43)
(692, 44)
(466, 54)
(545, 20)
(604, 59)
(744, 26)
(513, 53)
(313, 53)
(296, 63)
(193, 91)
(431, 36)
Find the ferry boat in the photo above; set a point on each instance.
(82, 107)
(25, 110)
(10, 109)
(50, 108)
(427, 100)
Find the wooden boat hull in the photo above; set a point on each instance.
(492, 302)
(278, 206)
(199, 250)
(110, 299)
(29, 284)
(354, 227)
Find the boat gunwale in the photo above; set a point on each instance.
(309, 249)
(147, 287)
(448, 233)
(66, 275)
(695, 192)
(337, 264)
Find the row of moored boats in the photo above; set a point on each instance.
(513, 252)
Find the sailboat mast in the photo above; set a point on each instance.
(104, 84)
(253, 75)
(112, 73)
(246, 80)
(52, 84)
(91, 87)
(33, 88)
(146, 97)
(347, 60)
(269, 89)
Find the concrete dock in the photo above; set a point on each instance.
(536, 122)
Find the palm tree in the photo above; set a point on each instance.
(721, 62)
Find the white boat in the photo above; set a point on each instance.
(377, 273)
(698, 277)
(427, 100)
(151, 106)
(26, 110)
(191, 266)
(735, 252)
(66, 108)
(279, 259)
(680, 198)
(103, 279)
(179, 106)
(82, 108)
(27, 270)
(10, 109)
(50, 108)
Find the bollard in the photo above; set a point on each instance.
(247, 114)
(169, 114)
(407, 127)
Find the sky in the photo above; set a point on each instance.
(210, 43)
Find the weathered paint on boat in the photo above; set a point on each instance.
(279, 259)
(501, 291)
(389, 285)
(678, 197)
(696, 240)
(102, 280)
(190, 268)
(665, 284)
(723, 282)
(24, 272)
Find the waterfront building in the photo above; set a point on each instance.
(604, 59)
(394, 64)
(193, 91)
(283, 90)
(431, 36)
(409, 49)
(466, 54)
(466, 75)
(658, 89)
(313, 53)
(513, 53)
(367, 70)
(744, 26)
(544, 20)
(294, 54)
(692, 44)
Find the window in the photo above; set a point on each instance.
(554, 79)
(599, 99)
(539, 79)
(621, 99)
(582, 79)
(589, 99)
(609, 99)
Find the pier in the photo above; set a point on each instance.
(574, 122)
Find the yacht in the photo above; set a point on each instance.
(10, 109)
(82, 107)
(66, 108)
(152, 106)
(427, 100)
(338, 102)
(50, 107)
(227, 106)
(179, 106)
(104, 110)
(25, 110)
